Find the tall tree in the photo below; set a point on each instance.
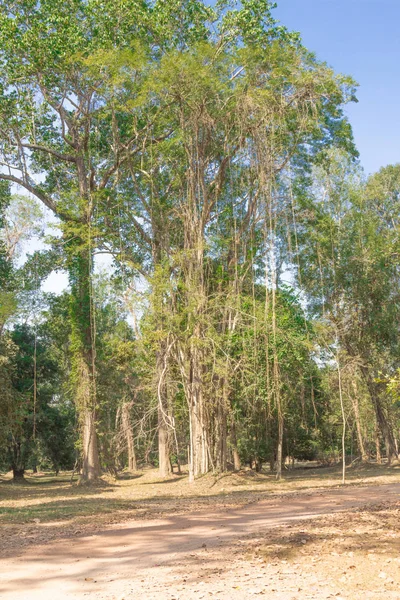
(63, 141)
(162, 133)
(348, 243)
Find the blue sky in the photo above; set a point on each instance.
(360, 38)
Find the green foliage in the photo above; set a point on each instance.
(7, 282)
(207, 150)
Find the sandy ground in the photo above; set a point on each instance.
(271, 548)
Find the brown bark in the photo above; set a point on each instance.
(83, 344)
(85, 400)
(235, 452)
(221, 437)
(272, 461)
(90, 463)
(279, 448)
(356, 409)
(128, 435)
(18, 475)
(199, 457)
(381, 417)
(199, 425)
(163, 446)
(164, 461)
(378, 446)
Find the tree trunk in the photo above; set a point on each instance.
(221, 442)
(272, 461)
(199, 448)
(18, 475)
(381, 418)
(128, 435)
(196, 301)
(198, 444)
(163, 446)
(164, 442)
(236, 457)
(90, 460)
(356, 409)
(17, 460)
(83, 350)
(279, 448)
(378, 446)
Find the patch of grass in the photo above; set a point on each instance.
(67, 509)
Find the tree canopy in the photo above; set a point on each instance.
(249, 312)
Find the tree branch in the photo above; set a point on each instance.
(40, 195)
(65, 157)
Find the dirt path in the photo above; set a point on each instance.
(168, 558)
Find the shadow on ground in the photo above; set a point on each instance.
(48, 508)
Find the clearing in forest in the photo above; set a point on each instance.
(235, 536)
